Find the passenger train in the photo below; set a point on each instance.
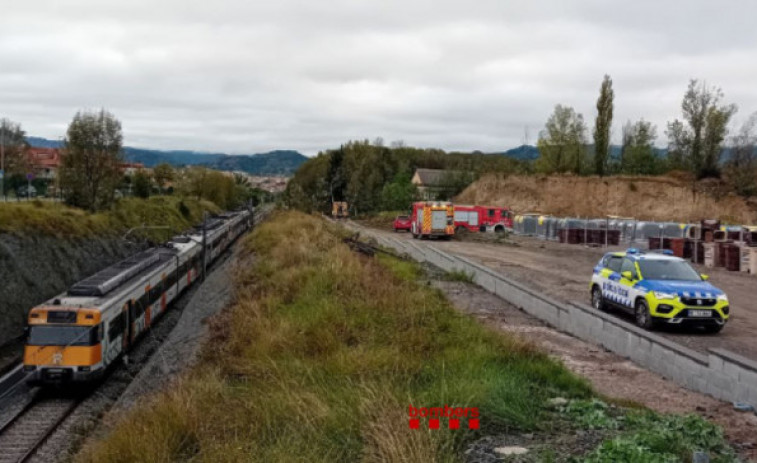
(77, 335)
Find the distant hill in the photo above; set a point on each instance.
(521, 153)
(531, 153)
(279, 162)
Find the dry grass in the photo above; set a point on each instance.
(319, 359)
(56, 219)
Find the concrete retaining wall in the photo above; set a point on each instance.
(722, 374)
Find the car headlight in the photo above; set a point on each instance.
(723, 297)
(660, 295)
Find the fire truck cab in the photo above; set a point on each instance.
(495, 219)
(432, 218)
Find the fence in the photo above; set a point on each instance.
(720, 373)
(15, 199)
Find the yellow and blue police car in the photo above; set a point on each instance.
(658, 288)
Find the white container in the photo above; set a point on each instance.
(709, 255)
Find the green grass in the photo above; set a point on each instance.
(320, 357)
(458, 275)
(55, 219)
(648, 436)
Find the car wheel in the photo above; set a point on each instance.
(643, 317)
(597, 301)
(395, 230)
(713, 328)
(499, 229)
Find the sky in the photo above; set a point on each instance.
(253, 76)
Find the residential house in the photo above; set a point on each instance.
(44, 162)
(441, 184)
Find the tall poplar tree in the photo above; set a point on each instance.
(602, 126)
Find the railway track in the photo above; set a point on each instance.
(27, 431)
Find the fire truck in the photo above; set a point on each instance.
(495, 219)
(432, 218)
(482, 218)
(467, 218)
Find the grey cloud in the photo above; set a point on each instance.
(244, 76)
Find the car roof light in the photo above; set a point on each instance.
(632, 251)
(667, 252)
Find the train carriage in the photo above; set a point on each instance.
(78, 334)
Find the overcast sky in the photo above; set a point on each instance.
(252, 76)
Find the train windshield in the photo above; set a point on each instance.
(62, 336)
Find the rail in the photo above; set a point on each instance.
(18, 439)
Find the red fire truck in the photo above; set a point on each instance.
(483, 218)
(432, 218)
(496, 219)
(467, 218)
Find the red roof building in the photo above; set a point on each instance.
(44, 162)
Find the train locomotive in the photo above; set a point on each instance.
(75, 336)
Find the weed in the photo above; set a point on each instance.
(458, 275)
(591, 414)
(56, 219)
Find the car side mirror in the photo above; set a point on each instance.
(627, 275)
(704, 277)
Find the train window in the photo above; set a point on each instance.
(155, 292)
(141, 305)
(61, 316)
(171, 279)
(63, 336)
(116, 326)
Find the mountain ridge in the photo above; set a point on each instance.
(277, 162)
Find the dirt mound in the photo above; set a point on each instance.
(645, 198)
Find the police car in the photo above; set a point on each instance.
(658, 289)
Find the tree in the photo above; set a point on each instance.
(398, 194)
(741, 167)
(142, 184)
(91, 170)
(696, 143)
(637, 154)
(212, 185)
(602, 126)
(561, 143)
(12, 148)
(163, 174)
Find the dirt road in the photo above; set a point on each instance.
(563, 272)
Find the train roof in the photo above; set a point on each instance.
(123, 275)
(115, 276)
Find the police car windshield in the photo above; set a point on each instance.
(62, 336)
(668, 270)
